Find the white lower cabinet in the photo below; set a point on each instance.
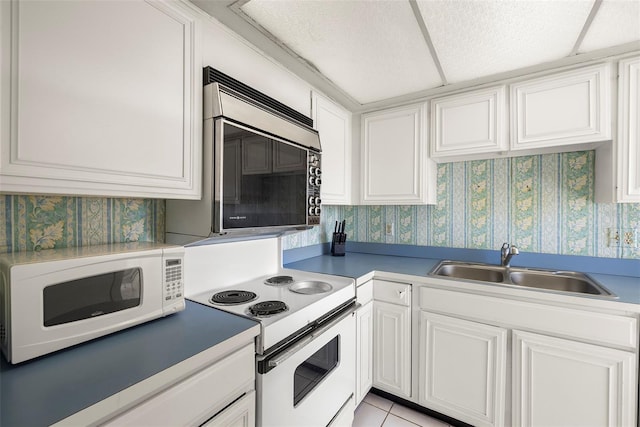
(364, 351)
(392, 337)
(493, 360)
(241, 413)
(201, 398)
(559, 382)
(462, 369)
(566, 366)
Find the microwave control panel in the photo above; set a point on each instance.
(173, 283)
(313, 188)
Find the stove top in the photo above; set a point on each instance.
(283, 305)
(232, 297)
(267, 308)
(279, 280)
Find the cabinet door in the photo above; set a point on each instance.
(334, 125)
(395, 168)
(562, 109)
(241, 414)
(469, 125)
(287, 158)
(463, 369)
(364, 351)
(99, 98)
(256, 155)
(392, 348)
(629, 131)
(557, 382)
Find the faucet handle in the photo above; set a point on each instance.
(505, 246)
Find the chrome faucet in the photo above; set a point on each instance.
(506, 253)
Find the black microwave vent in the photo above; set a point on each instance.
(212, 75)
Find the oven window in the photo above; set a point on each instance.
(311, 372)
(92, 296)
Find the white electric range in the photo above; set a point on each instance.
(305, 353)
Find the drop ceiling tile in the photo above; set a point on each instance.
(617, 22)
(478, 38)
(372, 50)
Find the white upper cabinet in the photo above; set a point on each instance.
(100, 98)
(334, 125)
(469, 125)
(629, 131)
(563, 109)
(395, 169)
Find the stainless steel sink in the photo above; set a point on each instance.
(481, 272)
(563, 281)
(569, 282)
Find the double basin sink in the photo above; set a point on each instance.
(569, 282)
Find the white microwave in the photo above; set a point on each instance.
(56, 298)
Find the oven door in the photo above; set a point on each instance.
(308, 383)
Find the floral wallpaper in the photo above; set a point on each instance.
(30, 223)
(541, 204)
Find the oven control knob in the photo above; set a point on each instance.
(312, 210)
(316, 211)
(312, 171)
(312, 180)
(317, 181)
(312, 200)
(313, 158)
(317, 172)
(316, 201)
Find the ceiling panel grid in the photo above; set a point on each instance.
(372, 53)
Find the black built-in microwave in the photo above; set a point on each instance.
(261, 167)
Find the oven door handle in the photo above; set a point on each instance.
(278, 360)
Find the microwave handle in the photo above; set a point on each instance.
(280, 358)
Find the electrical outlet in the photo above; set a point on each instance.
(613, 237)
(629, 238)
(389, 229)
(622, 237)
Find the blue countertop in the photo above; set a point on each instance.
(355, 264)
(50, 388)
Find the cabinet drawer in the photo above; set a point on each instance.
(365, 292)
(392, 292)
(599, 328)
(241, 414)
(195, 399)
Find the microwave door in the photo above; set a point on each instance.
(262, 180)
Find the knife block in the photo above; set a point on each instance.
(338, 244)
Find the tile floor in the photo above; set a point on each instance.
(376, 411)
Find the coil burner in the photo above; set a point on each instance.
(268, 308)
(279, 280)
(233, 297)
